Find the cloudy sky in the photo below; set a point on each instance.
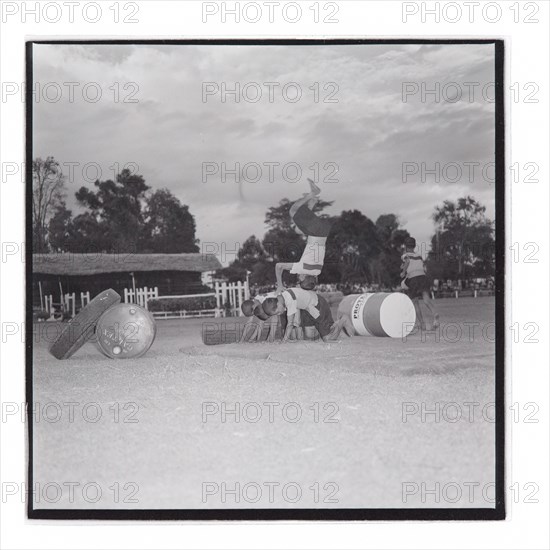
(152, 113)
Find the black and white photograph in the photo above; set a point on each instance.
(274, 275)
(265, 279)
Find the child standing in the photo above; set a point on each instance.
(414, 273)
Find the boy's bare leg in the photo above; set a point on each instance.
(298, 331)
(272, 328)
(332, 336)
(288, 330)
(305, 199)
(428, 302)
(315, 189)
(250, 333)
(343, 323)
(347, 326)
(293, 329)
(419, 315)
(282, 320)
(259, 331)
(312, 202)
(246, 329)
(279, 268)
(335, 330)
(310, 198)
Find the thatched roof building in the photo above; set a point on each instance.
(171, 273)
(68, 264)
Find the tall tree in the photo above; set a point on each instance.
(391, 238)
(48, 192)
(251, 260)
(352, 245)
(82, 234)
(60, 229)
(116, 206)
(463, 245)
(87, 234)
(169, 226)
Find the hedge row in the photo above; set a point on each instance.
(182, 304)
(209, 302)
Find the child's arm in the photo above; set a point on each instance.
(298, 326)
(259, 330)
(246, 329)
(279, 268)
(294, 324)
(273, 322)
(283, 320)
(289, 327)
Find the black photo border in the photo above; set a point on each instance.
(304, 514)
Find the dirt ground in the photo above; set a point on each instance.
(361, 423)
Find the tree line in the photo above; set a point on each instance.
(119, 215)
(126, 215)
(361, 251)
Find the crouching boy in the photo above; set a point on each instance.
(253, 329)
(315, 312)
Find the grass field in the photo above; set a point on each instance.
(156, 426)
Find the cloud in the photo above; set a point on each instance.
(152, 113)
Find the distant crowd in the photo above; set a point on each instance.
(438, 285)
(483, 283)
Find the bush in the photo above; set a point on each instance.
(182, 304)
(40, 314)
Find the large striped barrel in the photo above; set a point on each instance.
(380, 314)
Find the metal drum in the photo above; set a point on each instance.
(125, 331)
(380, 314)
(81, 328)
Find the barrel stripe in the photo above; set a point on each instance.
(379, 314)
(372, 314)
(357, 315)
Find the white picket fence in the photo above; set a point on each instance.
(141, 296)
(232, 295)
(84, 298)
(48, 304)
(67, 303)
(184, 314)
(229, 298)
